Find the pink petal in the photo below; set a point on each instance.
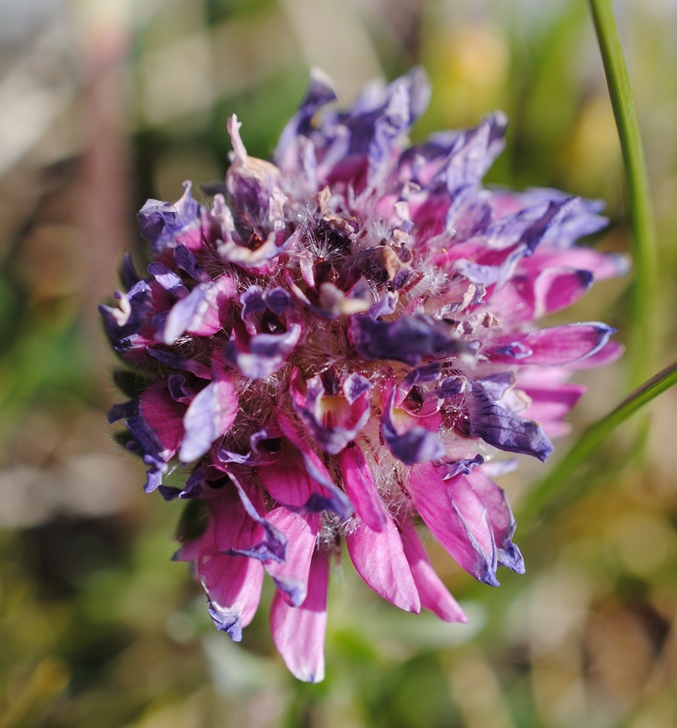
(361, 489)
(611, 351)
(291, 576)
(550, 404)
(209, 416)
(233, 586)
(457, 518)
(554, 346)
(232, 583)
(557, 288)
(434, 595)
(501, 520)
(515, 297)
(298, 632)
(201, 312)
(379, 559)
(164, 417)
(601, 265)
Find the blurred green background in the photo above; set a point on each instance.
(106, 103)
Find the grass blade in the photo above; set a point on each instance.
(591, 440)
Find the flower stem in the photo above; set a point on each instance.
(645, 298)
(592, 439)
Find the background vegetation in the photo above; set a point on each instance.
(104, 104)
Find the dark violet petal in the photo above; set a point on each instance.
(252, 303)
(122, 411)
(496, 385)
(406, 99)
(264, 354)
(450, 387)
(288, 150)
(417, 445)
(128, 275)
(501, 519)
(179, 390)
(169, 492)
(195, 484)
(354, 386)
(457, 467)
(164, 224)
(421, 375)
(332, 421)
(501, 428)
(278, 301)
(378, 557)
(175, 361)
(472, 153)
(168, 279)
(407, 339)
(186, 261)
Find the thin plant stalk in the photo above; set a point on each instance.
(641, 350)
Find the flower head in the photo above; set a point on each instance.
(338, 347)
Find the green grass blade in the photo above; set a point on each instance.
(592, 439)
(645, 299)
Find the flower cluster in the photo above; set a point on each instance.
(337, 347)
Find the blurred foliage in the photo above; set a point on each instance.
(107, 104)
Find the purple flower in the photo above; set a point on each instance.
(338, 347)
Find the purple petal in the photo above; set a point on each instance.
(201, 312)
(407, 339)
(473, 152)
(185, 260)
(501, 428)
(209, 416)
(332, 421)
(501, 519)
(379, 559)
(354, 386)
(263, 354)
(320, 93)
(298, 632)
(416, 445)
(168, 279)
(165, 225)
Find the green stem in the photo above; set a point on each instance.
(592, 439)
(644, 305)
